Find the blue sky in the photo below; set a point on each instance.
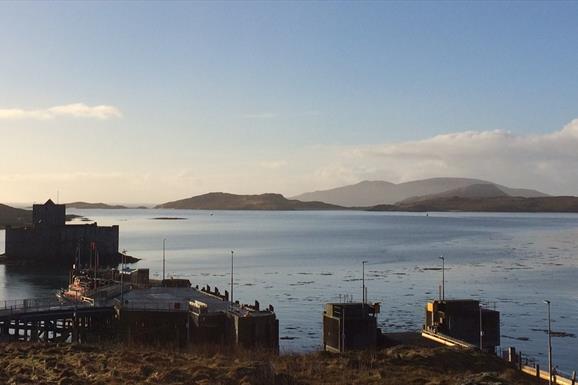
(287, 97)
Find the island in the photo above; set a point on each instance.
(225, 201)
(88, 205)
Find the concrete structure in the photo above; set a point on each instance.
(188, 315)
(350, 326)
(49, 241)
(461, 320)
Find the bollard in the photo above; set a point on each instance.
(512, 354)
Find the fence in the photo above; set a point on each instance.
(29, 305)
(530, 366)
(161, 306)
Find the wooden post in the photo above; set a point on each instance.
(574, 378)
(538, 370)
(512, 354)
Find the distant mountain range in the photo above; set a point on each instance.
(224, 201)
(504, 204)
(471, 191)
(87, 205)
(372, 193)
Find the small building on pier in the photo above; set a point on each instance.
(350, 326)
(464, 320)
(199, 316)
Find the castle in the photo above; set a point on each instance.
(50, 241)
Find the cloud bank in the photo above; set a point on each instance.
(74, 110)
(548, 161)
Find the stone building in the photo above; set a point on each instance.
(50, 241)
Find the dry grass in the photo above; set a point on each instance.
(24, 363)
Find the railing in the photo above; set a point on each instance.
(30, 305)
(524, 363)
(173, 307)
(531, 367)
(446, 340)
(558, 377)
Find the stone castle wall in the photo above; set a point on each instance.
(63, 244)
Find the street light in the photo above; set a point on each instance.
(481, 331)
(364, 300)
(443, 278)
(232, 253)
(549, 344)
(122, 278)
(164, 242)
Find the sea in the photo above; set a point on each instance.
(297, 261)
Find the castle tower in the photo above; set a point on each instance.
(48, 214)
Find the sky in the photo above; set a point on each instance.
(140, 102)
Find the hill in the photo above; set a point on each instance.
(87, 205)
(10, 216)
(224, 201)
(493, 204)
(36, 363)
(482, 190)
(371, 193)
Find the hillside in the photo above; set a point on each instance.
(87, 205)
(493, 204)
(482, 190)
(10, 216)
(224, 201)
(371, 193)
(26, 363)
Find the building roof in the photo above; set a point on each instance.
(165, 299)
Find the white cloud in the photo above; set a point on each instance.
(75, 110)
(548, 161)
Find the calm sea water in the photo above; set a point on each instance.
(299, 260)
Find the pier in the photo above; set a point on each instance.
(51, 321)
(172, 314)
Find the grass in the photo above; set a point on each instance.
(27, 363)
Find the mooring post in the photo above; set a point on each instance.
(512, 354)
(538, 370)
(574, 378)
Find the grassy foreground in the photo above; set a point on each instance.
(25, 363)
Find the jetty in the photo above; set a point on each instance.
(97, 307)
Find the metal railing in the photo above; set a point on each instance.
(173, 307)
(31, 305)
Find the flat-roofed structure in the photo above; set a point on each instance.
(198, 316)
(464, 320)
(350, 326)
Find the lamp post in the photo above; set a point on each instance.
(363, 299)
(549, 344)
(122, 278)
(443, 278)
(164, 243)
(481, 331)
(232, 254)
